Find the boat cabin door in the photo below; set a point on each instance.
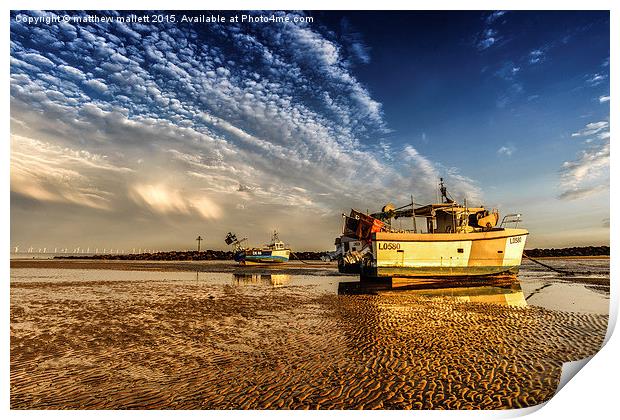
(430, 224)
(400, 258)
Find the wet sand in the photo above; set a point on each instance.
(100, 339)
(316, 268)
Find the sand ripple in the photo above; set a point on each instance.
(151, 345)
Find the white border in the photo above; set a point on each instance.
(592, 394)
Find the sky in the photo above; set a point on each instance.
(129, 134)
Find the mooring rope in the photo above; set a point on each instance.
(302, 261)
(569, 273)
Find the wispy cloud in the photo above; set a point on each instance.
(596, 79)
(510, 95)
(591, 128)
(487, 38)
(536, 56)
(506, 150)
(495, 16)
(489, 35)
(46, 172)
(579, 193)
(589, 173)
(603, 98)
(165, 199)
(605, 62)
(508, 71)
(423, 168)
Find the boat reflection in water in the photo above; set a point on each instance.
(501, 291)
(274, 280)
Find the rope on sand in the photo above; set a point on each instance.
(568, 273)
(302, 261)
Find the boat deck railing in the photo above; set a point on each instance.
(514, 218)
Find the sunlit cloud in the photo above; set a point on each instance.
(169, 200)
(46, 172)
(147, 120)
(589, 173)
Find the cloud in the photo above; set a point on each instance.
(489, 36)
(588, 165)
(589, 173)
(354, 43)
(46, 172)
(506, 150)
(536, 56)
(603, 98)
(509, 73)
(494, 16)
(72, 72)
(386, 150)
(38, 60)
(97, 85)
(165, 199)
(596, 79)
(583, 192)
(422, 164)
(508, 70)
(487, 39)
(460, 185)
(591, 128)
(269, 120)
(511, 94)
(463, 187)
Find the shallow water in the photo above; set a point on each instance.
(83, 338)
(541, 287)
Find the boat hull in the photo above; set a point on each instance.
(475, 254)
(261, 256)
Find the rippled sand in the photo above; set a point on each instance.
(202, 344)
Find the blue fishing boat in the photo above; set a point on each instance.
(272, 253)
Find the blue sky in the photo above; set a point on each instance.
(146, 134)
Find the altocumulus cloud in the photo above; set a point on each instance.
(202, 122)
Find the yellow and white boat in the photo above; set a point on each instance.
(458, 241)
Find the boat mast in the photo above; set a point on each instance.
(415, 228)
(444, 193)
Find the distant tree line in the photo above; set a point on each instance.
(183, 256)
(580, 251)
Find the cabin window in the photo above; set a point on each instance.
(500, 252)
(459, 250)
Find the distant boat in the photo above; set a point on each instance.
(273, 253)
(459, 241)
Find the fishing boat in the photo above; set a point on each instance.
(456, 241)
(272, 253)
